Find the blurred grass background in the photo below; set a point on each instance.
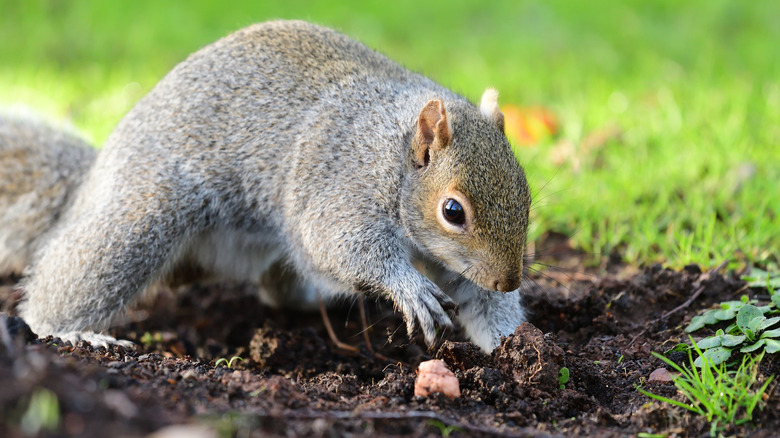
(668, 147)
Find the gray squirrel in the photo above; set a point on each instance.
(287, 142)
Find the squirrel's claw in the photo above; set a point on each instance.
(428, 311)
(95, 339)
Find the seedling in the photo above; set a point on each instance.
(445, 429)
(723, 397)
(229, 363)
(563, 377)
(148, 338)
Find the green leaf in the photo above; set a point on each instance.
(724, 314)
(697, 322)
(745, 317)
(711, 342)
(768, 322)
(776, 300)
(731, 340)
(753, 347)
(772, 346)
(733, 304)
(756, 323)
(715, 355)
(771, 334)
(563, 376)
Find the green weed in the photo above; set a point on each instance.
(749, 328)
(721, 396)
(563, 377)
(444, 429)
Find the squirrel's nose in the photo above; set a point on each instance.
(507, 284)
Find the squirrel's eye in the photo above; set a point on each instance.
(453, 212)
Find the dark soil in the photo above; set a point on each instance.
(293, 381)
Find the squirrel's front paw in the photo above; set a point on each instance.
(426, 307)
(96, 339)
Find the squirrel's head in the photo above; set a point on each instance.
(468, 197)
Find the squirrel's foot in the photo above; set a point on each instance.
(96, 339)
(426, 308)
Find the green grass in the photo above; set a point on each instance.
(724, 398)
(694, 88)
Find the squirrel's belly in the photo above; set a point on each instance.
(233, 254)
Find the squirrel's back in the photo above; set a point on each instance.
(40, 167)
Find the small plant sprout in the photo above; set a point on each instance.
(147, 339)
(228, 363)
(445, 429)
(723, 397)
(563, 377)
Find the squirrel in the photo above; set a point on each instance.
(40, 168)
(287, 142)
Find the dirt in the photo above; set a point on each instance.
(291, 380)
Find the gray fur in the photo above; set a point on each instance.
(40, 168)
(289, 142)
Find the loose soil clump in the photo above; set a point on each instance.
(292, 381)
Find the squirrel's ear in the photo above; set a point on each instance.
(488, 106)
(433, 131)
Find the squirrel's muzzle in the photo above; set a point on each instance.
(507, 283)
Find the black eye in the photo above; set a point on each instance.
(453, 212)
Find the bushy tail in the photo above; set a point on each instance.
(40, 168)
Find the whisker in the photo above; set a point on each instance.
(461, 275)
(538, 191)
(556, 281)
(565, 270)
(524, 284)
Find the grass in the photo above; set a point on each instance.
(691, 88)
(721, 396)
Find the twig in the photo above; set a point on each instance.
(687, 303)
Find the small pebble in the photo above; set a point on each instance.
(433, 376)
(660, 375)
